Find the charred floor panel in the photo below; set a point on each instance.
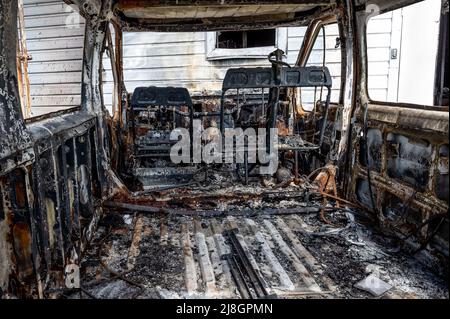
(222, 240)
(289, 256)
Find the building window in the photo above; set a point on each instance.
(402, 47)
(245, 39)
(252, 44)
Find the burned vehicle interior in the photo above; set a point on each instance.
(93, 204)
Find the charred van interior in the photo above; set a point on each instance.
(239, 192)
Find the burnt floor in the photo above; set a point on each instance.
(138, 255)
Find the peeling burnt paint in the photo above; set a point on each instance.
(14, 140)
(45, 218)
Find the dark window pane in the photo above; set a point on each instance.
(246, 39)
(260, 38)
(230, 40)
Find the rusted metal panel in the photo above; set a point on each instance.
(394, 154)
(52, 202)
(433, 120)
(42, 228)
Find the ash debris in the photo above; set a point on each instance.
(346, 252)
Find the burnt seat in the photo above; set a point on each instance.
(155, 112)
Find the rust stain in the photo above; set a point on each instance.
(283, 129)
(22, 249)
(142, 130)
(20, 194)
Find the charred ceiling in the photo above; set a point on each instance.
(173, 16)
(205, 15)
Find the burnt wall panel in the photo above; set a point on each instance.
(20, 225)
(84, 175)
(441, 183)
(96, 187)
(374, 143)
(6, 258)
(2, 212)
(401, 212)
(51, 204)
(363, 193)
(39, 210)
(72, 187)
(409, 160)
(64, 208)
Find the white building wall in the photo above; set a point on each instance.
(180, 59)
(413, 31)
(419, 44)
(55, 42)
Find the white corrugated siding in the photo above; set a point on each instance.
(378, 53)
(179, 59)
(55, 41)
(55, 35)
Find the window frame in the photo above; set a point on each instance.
(312, 33)
(318, 35)
(365, 87)
(213, 53)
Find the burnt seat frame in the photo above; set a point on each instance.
(263, 78)
(274, 79)
(171, 97)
